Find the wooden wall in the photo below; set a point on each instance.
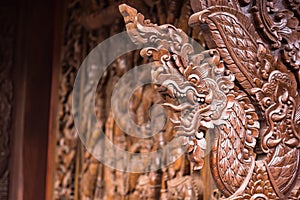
(26, 54)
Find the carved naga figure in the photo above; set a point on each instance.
(238, 92)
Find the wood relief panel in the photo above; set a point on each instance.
(78, 175)
(7, 45)
(252, 60)
(67, 148)
(244, 91)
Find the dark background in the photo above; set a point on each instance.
(26, 60)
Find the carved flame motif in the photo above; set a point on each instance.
(247, 99)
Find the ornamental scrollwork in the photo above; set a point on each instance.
(243, 92)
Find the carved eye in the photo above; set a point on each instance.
(193, 78)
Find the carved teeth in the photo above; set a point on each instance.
(190, 97)
(172, 93)
(199, 135)
(201, 143)
(174, 121)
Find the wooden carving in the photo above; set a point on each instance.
(7, 34)
(254, 49)
(77, 174)
(243, 91)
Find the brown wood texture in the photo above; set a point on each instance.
(59, 10)
(7, 54)
(252, 62)
(31, 76)
(77, 174)
(245, 93)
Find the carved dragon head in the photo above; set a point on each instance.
(196, 92)
(194, 86)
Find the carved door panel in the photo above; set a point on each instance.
(231, 96)
(243, 91)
